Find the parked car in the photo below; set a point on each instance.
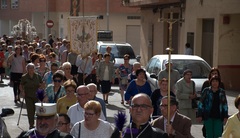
(200, 68)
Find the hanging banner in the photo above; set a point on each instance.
(75, 5)
(83, 34)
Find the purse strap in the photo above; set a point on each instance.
(79, 130)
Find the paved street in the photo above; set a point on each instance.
(6, 100)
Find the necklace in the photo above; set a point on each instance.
(140, 132)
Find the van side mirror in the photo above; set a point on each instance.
(7, 112)
(153, 75)
(138, 57)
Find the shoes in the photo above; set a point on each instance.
(15, 101)
(122, 102)
(1, 82)
(106, 101)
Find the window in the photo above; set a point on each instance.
(3, 4)
(14, 4)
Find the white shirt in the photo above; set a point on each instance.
(106, 74)
(84, 65)
(104, 130)
(75, 113)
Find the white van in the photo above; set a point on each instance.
(119, 50)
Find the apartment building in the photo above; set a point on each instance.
(210, 26)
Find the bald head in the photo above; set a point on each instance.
(82, 94)
(144, 97)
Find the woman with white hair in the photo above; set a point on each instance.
(30, 83)
(66, 67)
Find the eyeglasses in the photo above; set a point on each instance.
(164, 105)
(92, 91)
(81, 95)
(70, 91)
(141, 106)
(88, 114)
(67, 68)
(126, 59)
(61, 124)
(57, 81)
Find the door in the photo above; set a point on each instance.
(207, 40)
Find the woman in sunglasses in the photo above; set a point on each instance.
(55, 90)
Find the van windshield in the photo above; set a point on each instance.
(199, 68)
(118, 50)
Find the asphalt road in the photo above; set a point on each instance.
(16, 125)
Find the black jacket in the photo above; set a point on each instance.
(54, 134)
(149, 132)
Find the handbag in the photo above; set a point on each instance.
(194, 101)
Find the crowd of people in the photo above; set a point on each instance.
(70, 82)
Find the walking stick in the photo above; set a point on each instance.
(20, 112)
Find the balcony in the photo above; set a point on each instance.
(148, 3)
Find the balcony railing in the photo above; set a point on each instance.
(141, 3)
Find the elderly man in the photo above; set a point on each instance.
(92, 96)
(75, 112)
(180, 125)
(47, 119)
(175, 76)
(140, 110)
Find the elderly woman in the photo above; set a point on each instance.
(213, 108)
(185, 92)
(92, 126)
(66, 67)
(17, 63)
(139, 85)
(55, 91)
(106, 76)
(42, 68)
(69, 99)
(232, 126)
(29, 84)
(157, 96)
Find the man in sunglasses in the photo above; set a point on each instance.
(140, 111)
(179, 126)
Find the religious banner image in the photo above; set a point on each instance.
(83, 34)
(75, 4)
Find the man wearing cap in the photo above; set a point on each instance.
(174, 74)
(46, 126)
(180, 125)
(185, 93)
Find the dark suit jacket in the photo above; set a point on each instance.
(181, 124)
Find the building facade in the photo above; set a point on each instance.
(210, 26)
(112, 15)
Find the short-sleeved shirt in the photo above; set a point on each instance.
(30, 85)
(54, 96)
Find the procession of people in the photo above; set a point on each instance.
(70, 83)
